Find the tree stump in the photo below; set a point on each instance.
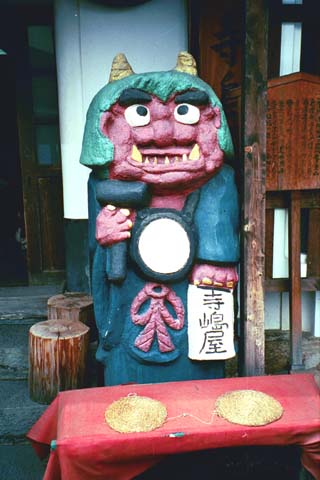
(57, 358)
(71, 306)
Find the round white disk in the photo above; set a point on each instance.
(164, 246)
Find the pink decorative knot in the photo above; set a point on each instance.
(157, 316)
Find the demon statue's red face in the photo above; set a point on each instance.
(172, 144)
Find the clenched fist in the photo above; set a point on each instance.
(113, 225)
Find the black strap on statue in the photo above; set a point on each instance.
(184, 218)
(191, 205)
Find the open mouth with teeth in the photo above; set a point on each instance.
(169, 159)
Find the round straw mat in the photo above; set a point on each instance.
(135, 414)
(248, 407)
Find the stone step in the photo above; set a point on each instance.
(18, 303)
(14, 350)
(20, 308)
(31, 291)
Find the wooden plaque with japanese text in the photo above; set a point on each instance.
(293, 132)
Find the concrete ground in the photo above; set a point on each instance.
(19, 462)
(17, 412)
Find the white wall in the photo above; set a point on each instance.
(290, 51)
(277, 311)
(88, 35)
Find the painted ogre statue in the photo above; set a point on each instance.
(163, 218)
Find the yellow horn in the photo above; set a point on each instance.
(186, 63)
(120, 68)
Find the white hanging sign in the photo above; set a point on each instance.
(210, 323)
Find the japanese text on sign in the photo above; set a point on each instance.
(210, 323)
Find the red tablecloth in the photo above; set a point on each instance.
(86, 447)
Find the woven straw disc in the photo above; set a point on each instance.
(248, 407)
(135, 414)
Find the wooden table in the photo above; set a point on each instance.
(83, 446)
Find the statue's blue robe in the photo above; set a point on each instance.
(216, 221)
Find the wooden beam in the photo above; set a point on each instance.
(269, 243)
(295, 282)
(254, 110)
(309, 199)
(313, 243)
(309, 284)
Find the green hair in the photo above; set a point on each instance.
(98, 150)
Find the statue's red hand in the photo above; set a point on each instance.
(206, 275)
(113, 225)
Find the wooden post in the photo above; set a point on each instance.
(295, 282)
(57, 358)
(71, 306)
(313, 243)
(254, 110)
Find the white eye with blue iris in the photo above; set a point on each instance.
(137, 115)
(186, 113)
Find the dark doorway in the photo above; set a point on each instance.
(32, 233)
(13, 266)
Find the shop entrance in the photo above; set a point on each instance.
(31, 206)
(12, 238)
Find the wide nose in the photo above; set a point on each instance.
(163, 133)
